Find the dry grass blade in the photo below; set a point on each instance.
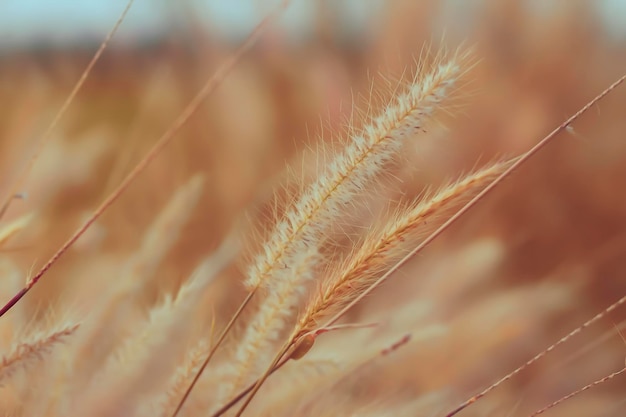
(66, 104)
(353, 373)
(210, 86)
(586, 387)
(540, 355)
(578, 391)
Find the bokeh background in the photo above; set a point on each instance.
(538, 257)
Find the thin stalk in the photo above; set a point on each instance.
(211, 84)
(12, 192)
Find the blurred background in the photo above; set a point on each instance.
(538, 257)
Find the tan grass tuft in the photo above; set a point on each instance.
(292, 251)
(384, 246)
(182, 378)
(25, 353)
(111, 315)
(352, 170)
(146, 359)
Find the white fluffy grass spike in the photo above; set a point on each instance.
(353, 169)
(291, 254)
(253, 351)
(384, 246)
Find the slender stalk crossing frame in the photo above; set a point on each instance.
(12, 192)
(211, 84)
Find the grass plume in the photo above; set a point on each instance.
(24, 353)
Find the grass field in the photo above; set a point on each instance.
(119, 324)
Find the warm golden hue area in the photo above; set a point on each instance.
(120, 323)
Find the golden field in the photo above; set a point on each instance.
(536, 258)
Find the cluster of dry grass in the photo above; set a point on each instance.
(346, 284)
